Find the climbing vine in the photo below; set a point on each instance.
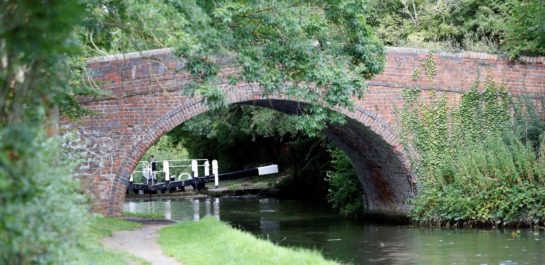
(473, 164)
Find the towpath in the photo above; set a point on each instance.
(142, 243)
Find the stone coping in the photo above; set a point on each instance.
(130, 55)
(461, 54)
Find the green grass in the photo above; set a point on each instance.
(104, 226)
(94, 253)
(144, 215)
(210, 241)
(100, 256)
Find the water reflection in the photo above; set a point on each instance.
(216, 207)
(196, 210)
(268, 226)
(207, 203)
(168, 211)
(318, 227)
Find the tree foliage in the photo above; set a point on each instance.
(238, 136)
(525, 33)
(513, 27)
(35, 42)
(165, 149)
(41, 212)
(319, 51)
(344, 192)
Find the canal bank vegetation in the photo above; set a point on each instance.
(210, 241)
(481, 162)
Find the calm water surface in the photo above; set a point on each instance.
(315, 226)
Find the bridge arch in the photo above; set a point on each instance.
(369, 140)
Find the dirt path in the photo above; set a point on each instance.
(141, 243)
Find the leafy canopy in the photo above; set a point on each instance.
(513, 27)
(317, 51)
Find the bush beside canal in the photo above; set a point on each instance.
(210, 241)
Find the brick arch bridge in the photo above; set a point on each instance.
(145, 102)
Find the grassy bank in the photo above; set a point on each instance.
(94, 253)
(210, 241)
(143, 215)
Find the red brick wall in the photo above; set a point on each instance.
(146, 101)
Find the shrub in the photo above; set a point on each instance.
(42, 215)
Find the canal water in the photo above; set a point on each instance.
(315, 226)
